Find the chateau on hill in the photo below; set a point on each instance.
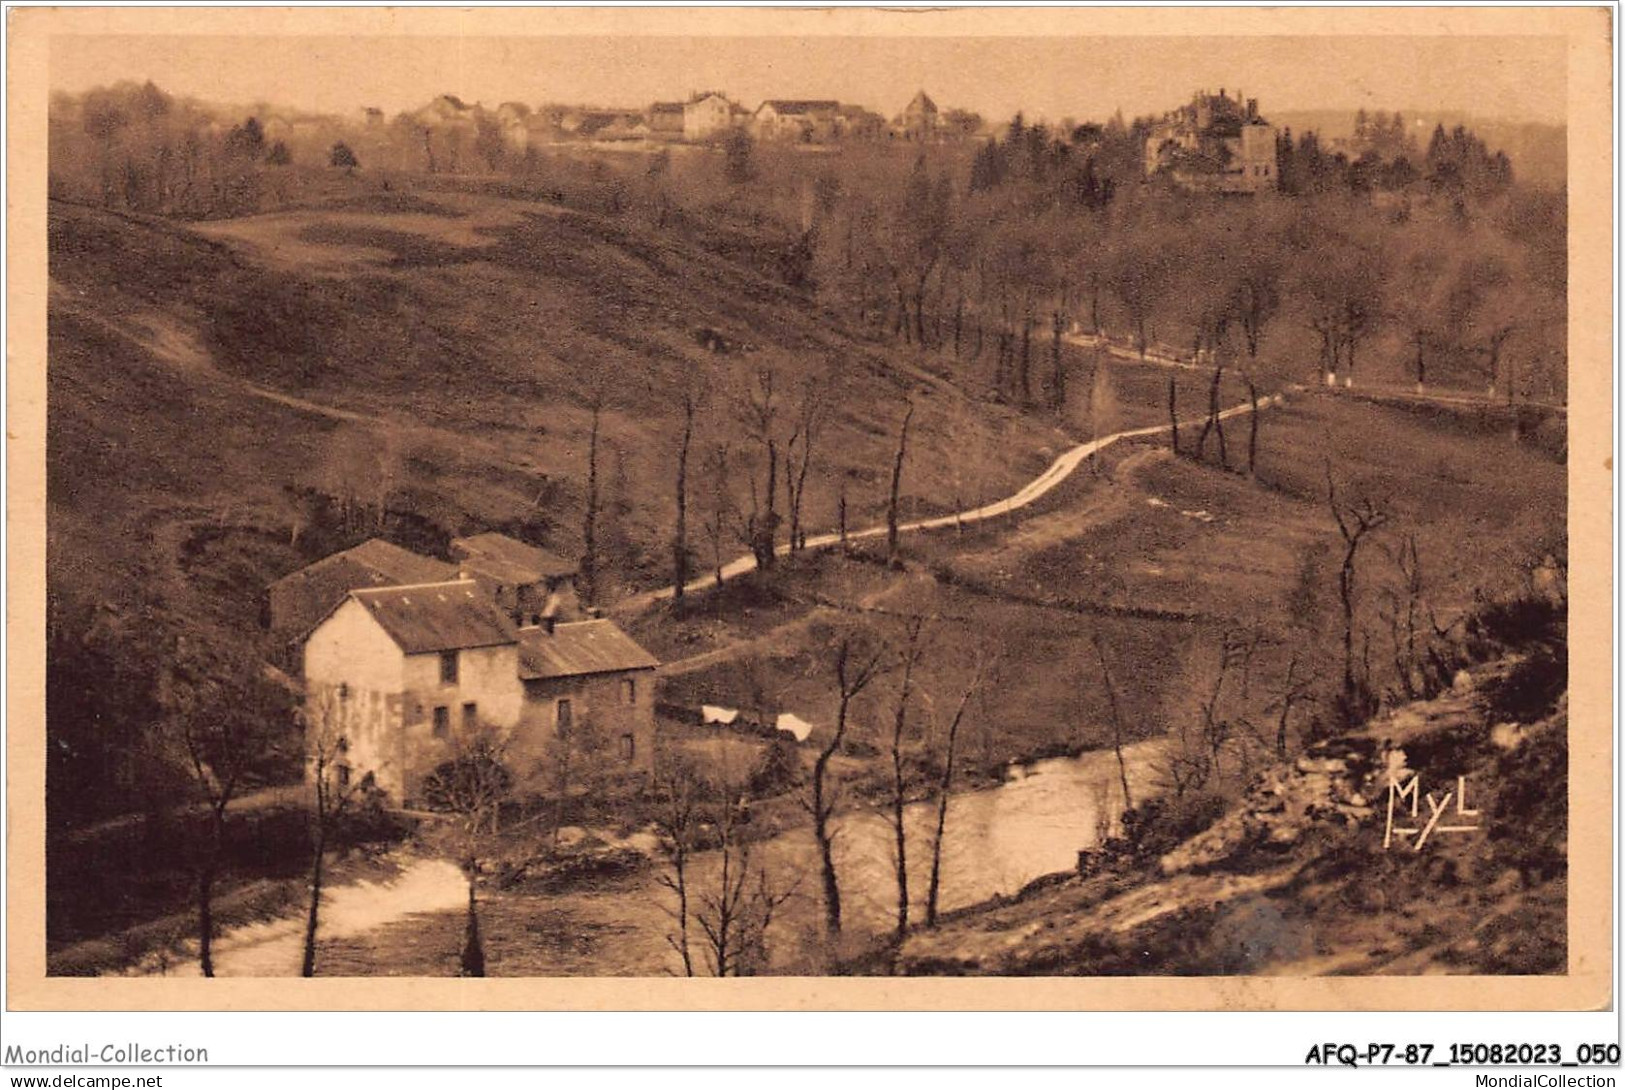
(1214, 143)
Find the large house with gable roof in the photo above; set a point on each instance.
(297, 601)
(409, 673)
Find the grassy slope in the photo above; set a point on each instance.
(196, 372)
(1278, 890)
(1160, 557)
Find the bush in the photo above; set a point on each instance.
(778, 771)
(1518, 621)
(369, 819)
(1158, 825)
(1530, 689)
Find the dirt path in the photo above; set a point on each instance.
(1038, 487)
(777, 636)
(172, 343)
(1084, 340)
(1388, 392)
(274, 948)
(1385, 391)
(773, 637)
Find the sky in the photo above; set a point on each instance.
(1512, 78)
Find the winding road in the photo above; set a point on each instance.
(1058, 471)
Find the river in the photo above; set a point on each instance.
(998, 839)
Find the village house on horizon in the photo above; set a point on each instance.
(919, 121)
(450, 126)
(808, 121)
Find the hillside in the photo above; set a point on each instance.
(1160, 559)
(230, 401)
(1295, 878)
(210, 383)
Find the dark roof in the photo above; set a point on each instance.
(600, 121)
(374, 562)
(437, 616)
(802, 105)
(581, 647)
(509, 560)
(923, 101)
(666, 108)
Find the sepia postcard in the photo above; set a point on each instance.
(580, 509)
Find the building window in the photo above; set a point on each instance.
(628, 747)
(442, 721)
(563, 717)
(448, 667)
(629, 691)
(471, 715)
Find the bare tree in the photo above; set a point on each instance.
(679, 540)
(1252, 426)
(1355, 522)
(1257, 292)
(896, 486)
(360, 468)
(762, 524)
(736, 908)
(333, 789)
(1057, 381)
(225, 722)
(1173, 415)
(589, 531)
(679, 822)
(840, 512)
(944, 787)
(1117, 721)
(854, 670)
(1104, 408)
(470, 789)
(1295, 690)
(1414, 630)
(721, 512)
(910, 658)
(1214, 420)
(799, 451)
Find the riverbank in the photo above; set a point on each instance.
(168, 944)
(616, 920)
(1303, 875)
